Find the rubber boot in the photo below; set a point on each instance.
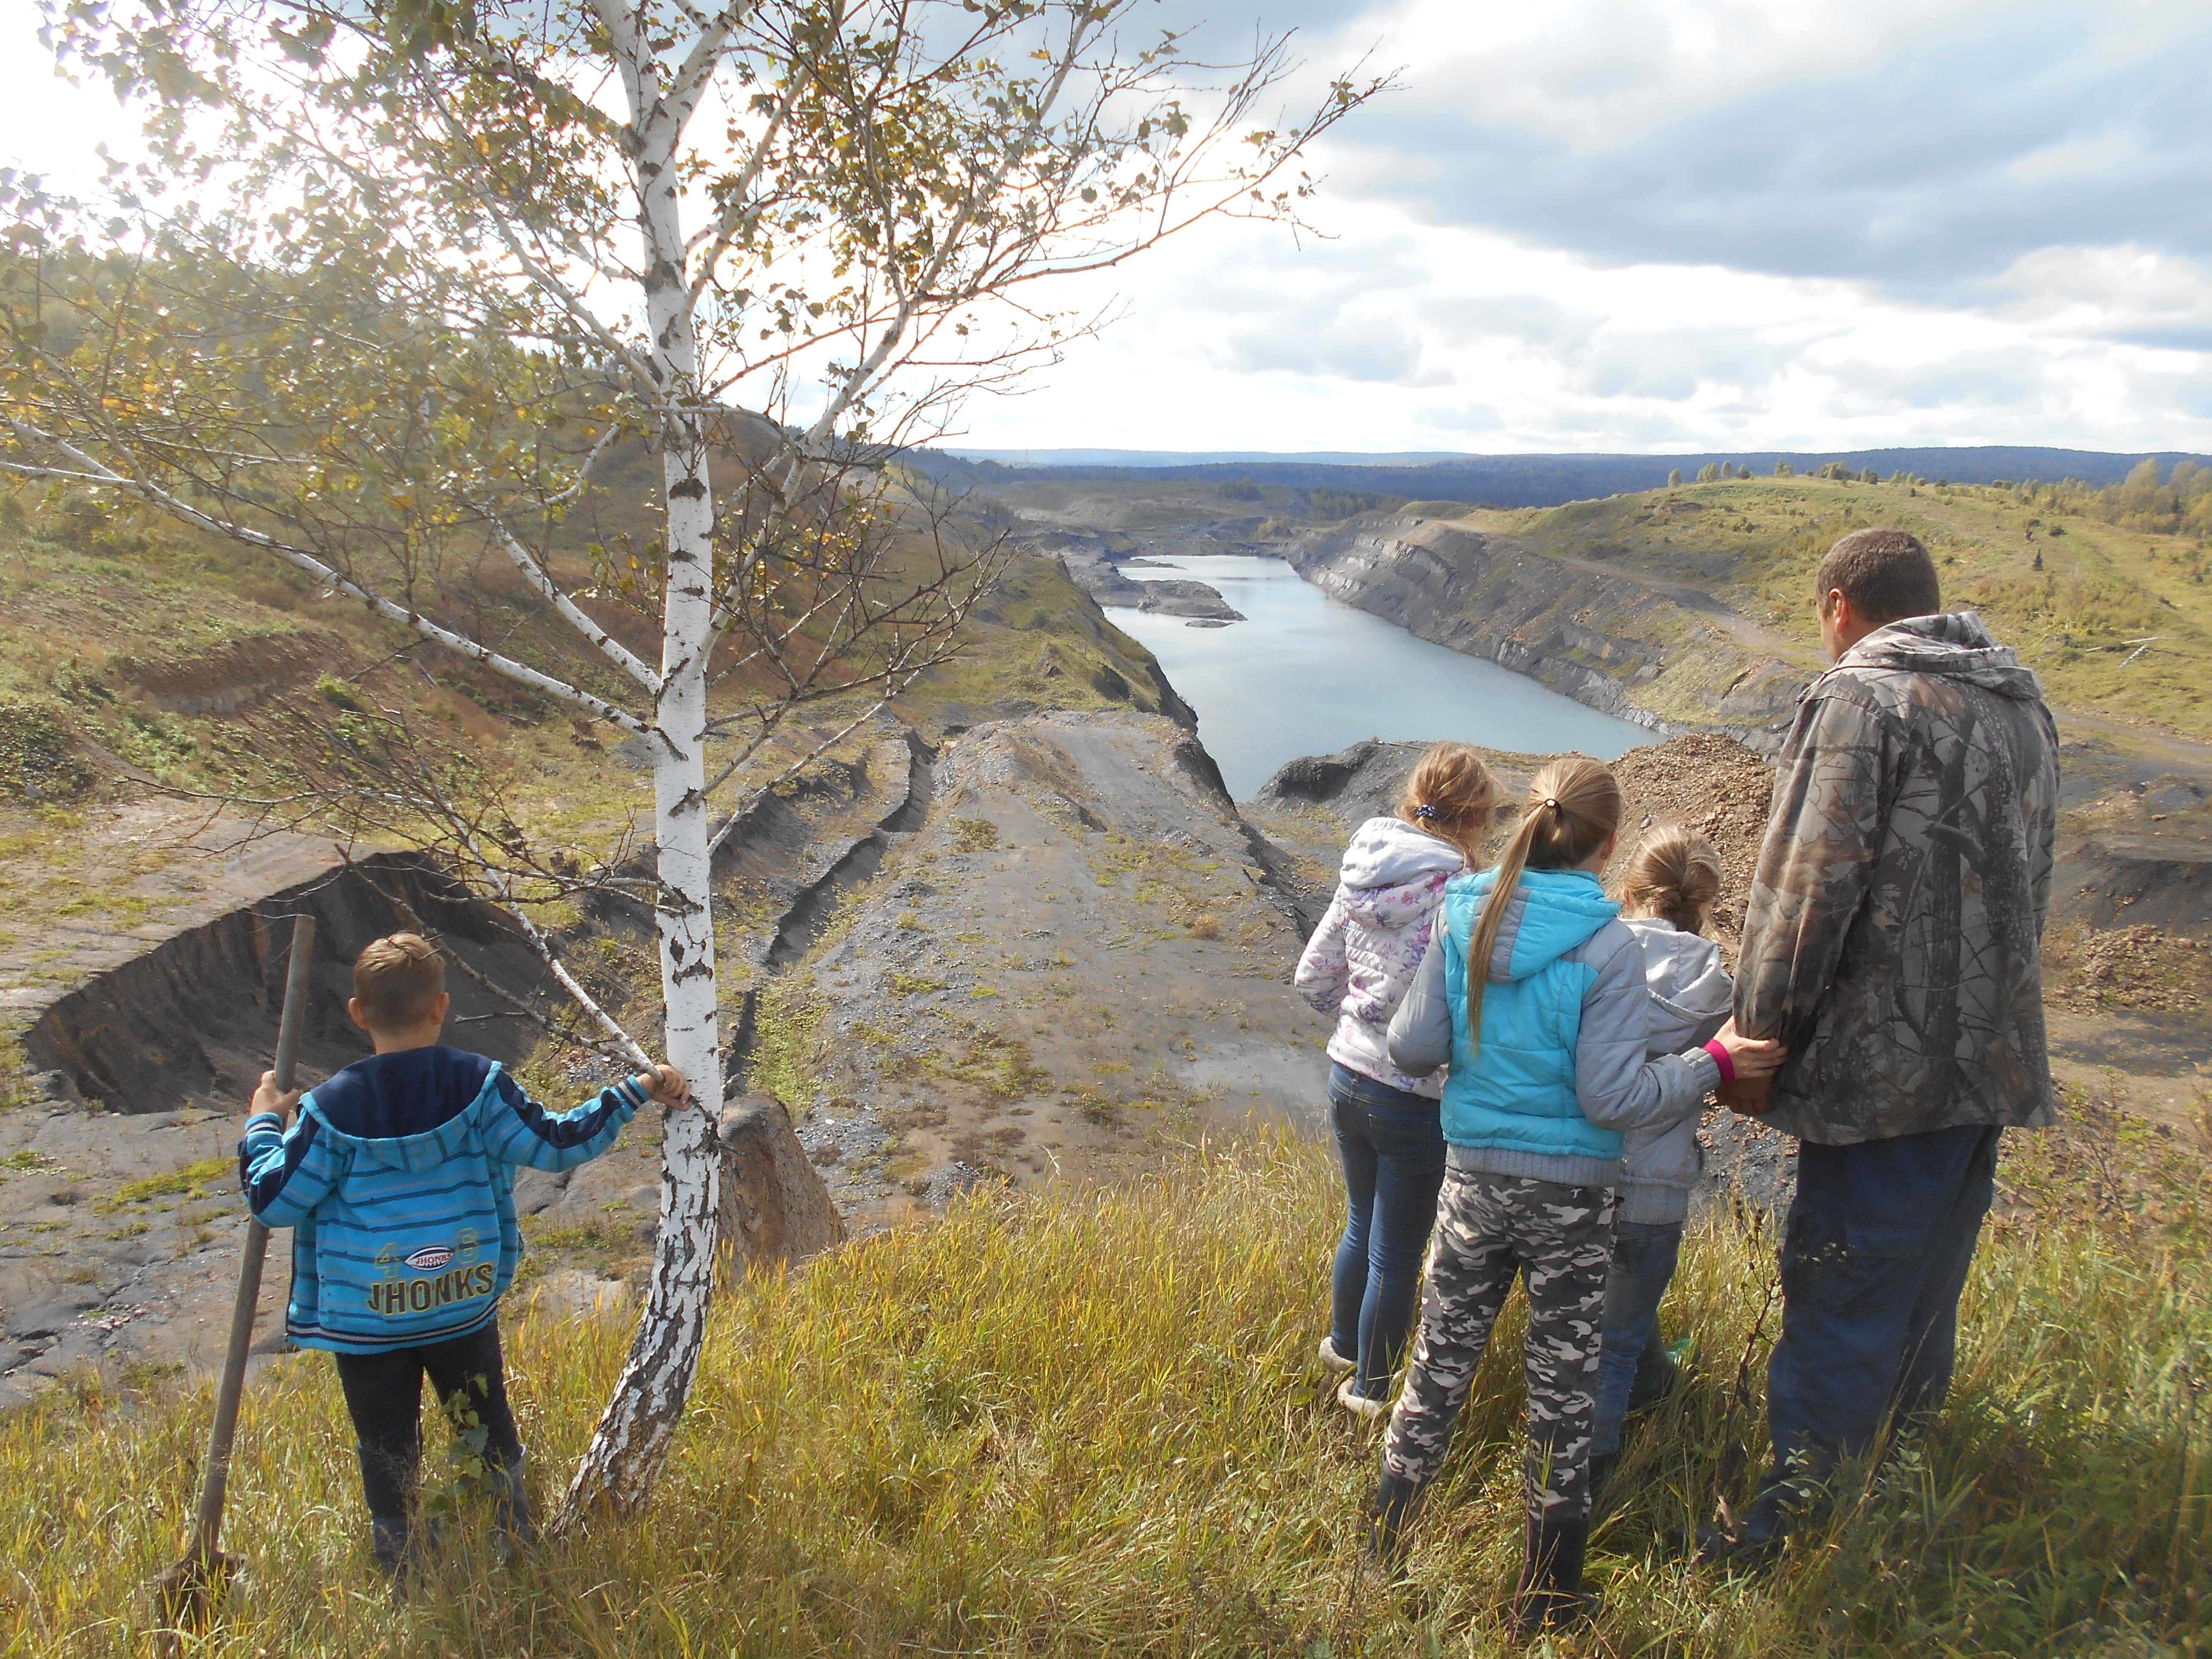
(1550, 1594)
(1761, 1531)
(512, 1531)
(388, 1540)
(1396, 1499)
(1601, 1466)
(1656, 1367)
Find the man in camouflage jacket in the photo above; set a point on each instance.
(1892, 944)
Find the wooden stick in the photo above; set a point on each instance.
(215, 1482)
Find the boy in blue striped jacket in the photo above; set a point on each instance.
(396, 1179)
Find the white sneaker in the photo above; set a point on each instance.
(1359, 1404)
(1331, 1361)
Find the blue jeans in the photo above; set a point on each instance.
(1392, 1145)
(1644, 1257)
(1880, 1238)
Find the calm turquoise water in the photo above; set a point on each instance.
(1307, 676)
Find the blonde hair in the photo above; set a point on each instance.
(1451, 795)
(395, 980)
(1673, 874)
(1572, 807)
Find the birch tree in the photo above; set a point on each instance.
(402, 274)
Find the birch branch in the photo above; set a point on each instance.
(535, 574)
(300, 559)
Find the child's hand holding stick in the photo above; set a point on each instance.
(270, 1099)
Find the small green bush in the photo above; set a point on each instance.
(38, 759)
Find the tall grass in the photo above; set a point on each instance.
(1088, 1422)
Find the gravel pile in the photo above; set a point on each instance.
(2145, 968)
(1715, 786)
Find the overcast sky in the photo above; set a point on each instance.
(1654, 224)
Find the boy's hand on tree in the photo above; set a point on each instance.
(665, 1084)
(266, 1099)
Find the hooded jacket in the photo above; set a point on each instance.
(1897, 914)
(1560, 1071)
(1687, 997)
(398, 1180)
(1371, 942)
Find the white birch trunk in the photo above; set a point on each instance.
(631, 1441)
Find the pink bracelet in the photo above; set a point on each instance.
(1720, 1055)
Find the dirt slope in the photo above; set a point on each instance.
(1077, 961)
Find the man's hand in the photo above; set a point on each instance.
(1747, 1096)
(266, 1099)
(665, 1084)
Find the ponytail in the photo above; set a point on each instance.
(1572, 807)
(1673, 874)
(1450, 793)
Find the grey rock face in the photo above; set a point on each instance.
(774, 1206)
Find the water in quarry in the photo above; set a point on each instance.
(1306, 675)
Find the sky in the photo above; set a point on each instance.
(1644, 225)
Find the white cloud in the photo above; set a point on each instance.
(1529, 348)
(1648, 224)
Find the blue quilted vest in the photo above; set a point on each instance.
(1516, 1092)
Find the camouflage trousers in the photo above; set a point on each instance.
(1490, 1230)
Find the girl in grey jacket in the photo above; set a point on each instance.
(1668, 888)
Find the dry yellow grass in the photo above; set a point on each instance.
(1087, 1422)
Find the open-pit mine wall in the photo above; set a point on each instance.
(1662, 654)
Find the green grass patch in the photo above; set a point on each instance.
(190, 1182)
(975, 835)
(786, 1057)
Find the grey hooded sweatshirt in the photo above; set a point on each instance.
(1687, 997)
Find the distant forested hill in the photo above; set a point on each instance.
(1554, 480)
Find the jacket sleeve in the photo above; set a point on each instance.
(2043, 856)
(287, 1173)
(1324, 972)
(518, 1130)
(1616, 1086)
(1420, 1036)
(1815, 866)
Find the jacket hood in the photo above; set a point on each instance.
(1395, 874)
(1554, 911)
(1389, 851)
(1956, 646)
(1688, 984)
(411, 1110)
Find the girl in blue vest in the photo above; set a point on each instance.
(1537, 1001)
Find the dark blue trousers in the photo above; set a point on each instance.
(1880, 1238)
(1392, 1145)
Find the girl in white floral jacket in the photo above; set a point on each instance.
(1357, 966)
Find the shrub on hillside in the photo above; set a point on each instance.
(39, 761)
